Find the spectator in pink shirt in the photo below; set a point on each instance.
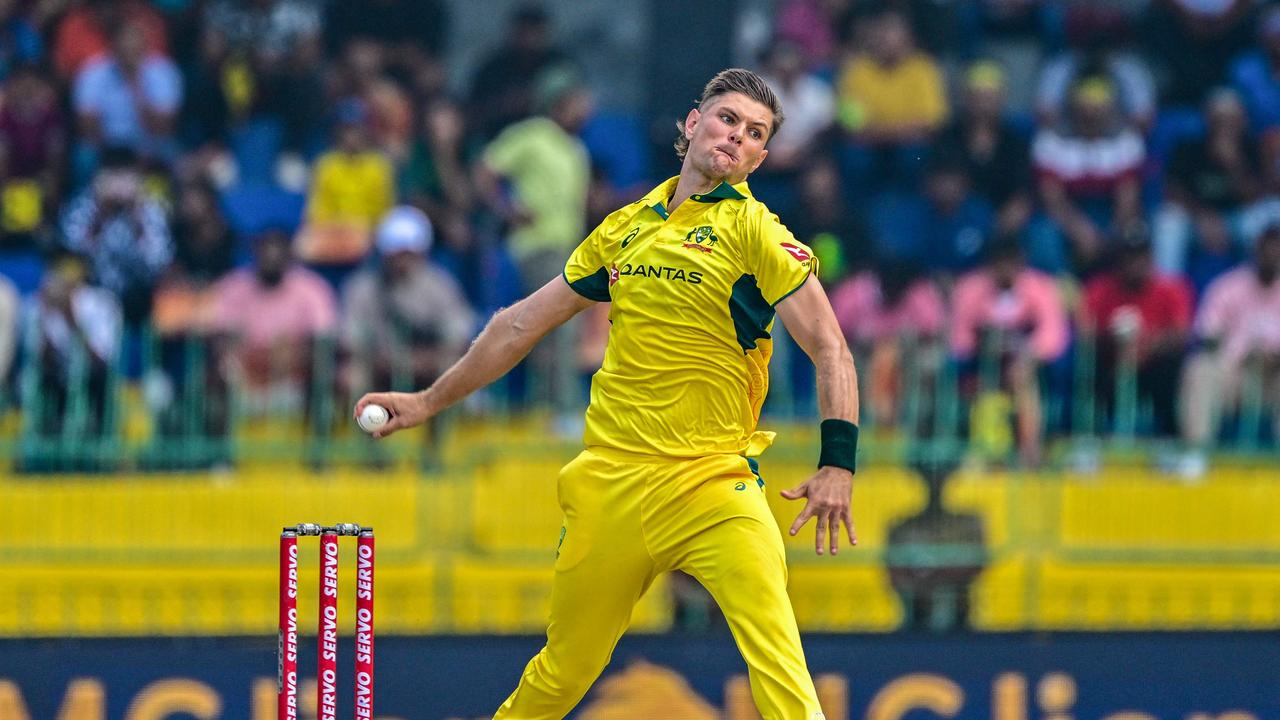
(272, 313)
(1016, 313)
(876, 311)
(1239, 329)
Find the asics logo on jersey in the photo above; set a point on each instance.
(631, 236)
(797, 252)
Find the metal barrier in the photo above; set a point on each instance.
(956, 531)
(189, 407)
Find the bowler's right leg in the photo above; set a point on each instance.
(602, 569)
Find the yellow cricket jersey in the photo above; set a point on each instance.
(357, 188)
(693, 292)
(913, 91)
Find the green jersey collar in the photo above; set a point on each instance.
(723, 191)
(656, 200)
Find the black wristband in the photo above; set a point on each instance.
(839, 444)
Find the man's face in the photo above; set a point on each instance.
(352, 137)
(985, 101)
(194, 205)
(1135, 267)
(1227, 116)
(575, 110)
(131, 46)
(58, 288)
(400, 265)
(947, 188)
(727, 137)
(1092, 115)
(364, 60)
(117, 187)
(890, 37)
(1005, 269)
(272, 258)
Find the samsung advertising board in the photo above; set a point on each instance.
(892, 677)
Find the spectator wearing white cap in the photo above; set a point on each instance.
(405, 319)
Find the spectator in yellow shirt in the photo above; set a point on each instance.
(892, 99)
(352, 188)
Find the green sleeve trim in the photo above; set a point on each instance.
(593, 287)
(793, 290)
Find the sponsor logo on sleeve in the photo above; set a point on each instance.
(797, 252)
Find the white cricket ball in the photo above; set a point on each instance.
(373, 417)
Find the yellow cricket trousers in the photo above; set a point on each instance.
(628, 518)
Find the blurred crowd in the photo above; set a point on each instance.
(991, 186)
(1057, 199)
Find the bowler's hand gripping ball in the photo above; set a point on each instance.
(373, 417)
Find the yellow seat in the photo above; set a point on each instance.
(496, 597)
(93, 600)
(470, 549)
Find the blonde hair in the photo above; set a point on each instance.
(730, 81)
